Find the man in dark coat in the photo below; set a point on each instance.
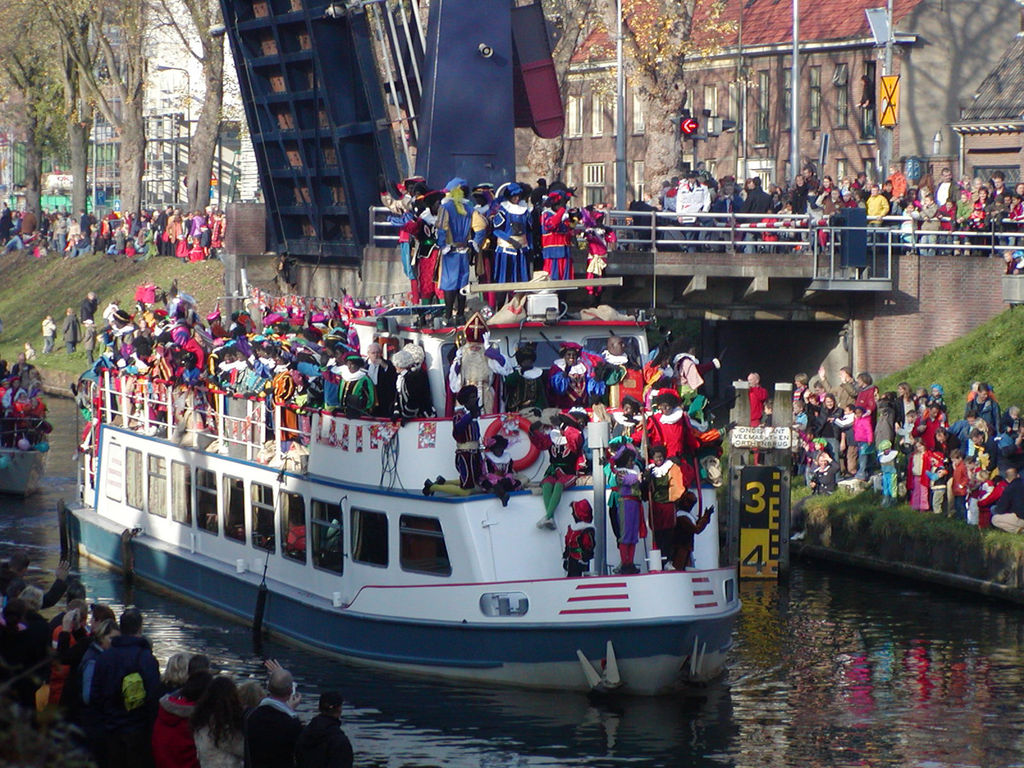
(71, 331)
(127, 712)
(272, 729)
(322, 743)
(87, 310)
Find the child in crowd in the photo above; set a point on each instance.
(580, 540)
(887, 456)
(863, 439)
(961, 485)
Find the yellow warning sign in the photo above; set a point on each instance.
(889, 101)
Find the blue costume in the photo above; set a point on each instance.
(466, 431)
(454, 235)
(511, 224)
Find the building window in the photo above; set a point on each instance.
(734, 101)
(181, 493)
(234, 508)
(262, 516)
(814, 99)
(639, 188)
(133, 478)
(574, 116)
(711, 98)
(327, 536)
(421, 546)
(156, 500)
(841, 81)
(206, 500)
(593, 183)
(293, 525)
(761, 121)
(840, 170)
(867, 102)
(569, 174)
(369, 537)
(639, 113)
(596, 115)
(871, 170)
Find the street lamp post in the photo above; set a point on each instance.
(620, 116)
(188, 114)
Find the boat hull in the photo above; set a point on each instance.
(654, 656)
(24, 474)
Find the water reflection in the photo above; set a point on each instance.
(832, 668)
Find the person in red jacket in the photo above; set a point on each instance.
(173, 745)
(670, 427)
(758, 396)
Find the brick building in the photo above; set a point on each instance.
(991, 127)
(943, 50)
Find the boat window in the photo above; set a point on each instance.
(234, 508)
(421, 546)
(133, 478)
(114, 475)
(206, 500)
(293, 526)
(327, 536)
(262, 516)
(156, 501)
(181, 493)
(504, 604)
(597, 345)
(369, 537)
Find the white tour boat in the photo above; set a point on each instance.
(452, 587)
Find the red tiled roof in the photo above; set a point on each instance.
(770, 21)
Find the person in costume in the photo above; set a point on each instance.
(887, 456)
(477, 363)
(455, 240)
(423, 251)
(564, 444)
(690, 372)
(628, 422)
(400, 206)
(525, 386)
(384, 377)
(556, 234)
(357, 393)
(580, 540)
(670, 427)
(570, 383)
(690, 521)
(482, 258)
(412, 389)
(499, 477)
(468, 462)
(666, 487)
(622, 374)
(632, 526)
(511, 226)
(599, 239)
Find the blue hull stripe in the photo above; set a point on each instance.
(406, 641)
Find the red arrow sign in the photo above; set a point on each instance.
(688, 126)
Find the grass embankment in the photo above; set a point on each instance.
(33, 288)
(992, 353)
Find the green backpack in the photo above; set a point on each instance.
(133, 691)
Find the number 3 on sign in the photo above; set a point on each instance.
(755, 501)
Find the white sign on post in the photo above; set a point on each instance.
(768, 438)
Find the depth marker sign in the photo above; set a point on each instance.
(760, 519)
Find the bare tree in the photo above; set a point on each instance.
(193, 31)
(114, 80)
(27, 70)
(78, 117)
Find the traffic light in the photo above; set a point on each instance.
(688, 126)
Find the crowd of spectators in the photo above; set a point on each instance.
(194, 236)
(98, 671)
(971, 216)
(959, 460)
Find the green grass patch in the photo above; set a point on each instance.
(33, 288)
(858, 524)
(991, 353)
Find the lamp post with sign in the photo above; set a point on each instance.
(880, 21)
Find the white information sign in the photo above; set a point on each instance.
(777, 438)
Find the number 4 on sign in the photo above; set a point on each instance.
(890, 101)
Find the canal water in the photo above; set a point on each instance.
(832, 668)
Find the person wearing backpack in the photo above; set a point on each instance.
(126, 692)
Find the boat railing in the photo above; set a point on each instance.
(245, 426)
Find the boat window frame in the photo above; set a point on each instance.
(286, 498)
(150, 485)
(205, 491)
(185, 497)
(407, 534)
(254, 508)
(134, 483)
(357, 530)
(225, 512)
(321, 527)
